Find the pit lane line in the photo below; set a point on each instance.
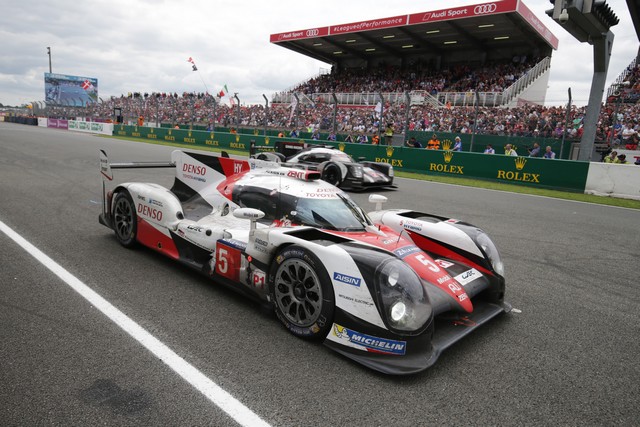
(221, 398)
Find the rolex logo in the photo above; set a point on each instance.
(211, 135)
(341, 146)
(446, 145)
(520, 162)
(169, 133)
(189, 134)
(448, 155)
(237, 138)
(266, 140)
(255, 132)
(389, 151)
(135, 128)
(151, 130)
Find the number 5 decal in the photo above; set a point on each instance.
(223, 261)
(428, 263)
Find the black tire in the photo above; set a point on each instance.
(302, 293)
(332, 174)
(125, 219)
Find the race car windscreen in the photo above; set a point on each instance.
(332, 214)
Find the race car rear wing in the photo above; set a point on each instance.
(107, 173)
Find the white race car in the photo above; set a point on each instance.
(390, 289)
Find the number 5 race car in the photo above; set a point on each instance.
(390, 289)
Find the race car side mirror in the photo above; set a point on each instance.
(249, 213)
(378, 199)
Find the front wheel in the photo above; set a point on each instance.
(125, 219)
(332, 174)
(302, 293)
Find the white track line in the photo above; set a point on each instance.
(234, 408)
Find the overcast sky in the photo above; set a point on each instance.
(143, 45)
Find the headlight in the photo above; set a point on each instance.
(403, 299)
(390, 170)
(489, 248)
(356, 171)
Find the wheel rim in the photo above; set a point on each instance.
(332, 176)
(298, 292)
(123, 214)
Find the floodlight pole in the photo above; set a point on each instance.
(335, 111)
(297, 108)
(475, 120)
(235, 95)
(406, 117)
(266, 114)
(566, 123)
(49, 53)
(213, 127)
(381, 116)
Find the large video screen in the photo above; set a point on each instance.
(72, 91)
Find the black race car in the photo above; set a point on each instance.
(335, 166)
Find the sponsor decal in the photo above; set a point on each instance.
(189, 140)
(169, 138)
(237, 145)
(341, 146)
(411, 225)
(261, 242)
(152, 135)
(149, 212)
(482, 9)
(407, 250)
(349, 280)
(142, 198)
(355, 300)
(468, 276)
(446, 167)
(313, 32)
(444, 264)
(369, 342)
(392, 162)
(195, 228)
(520, 163)
(212, 142)
(258, 279)
(155, 202)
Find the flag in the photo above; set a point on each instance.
(194, 67)
(225, 89)
(86, 85)
(220, 94)
(191, 60)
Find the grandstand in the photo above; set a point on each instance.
(461, 44)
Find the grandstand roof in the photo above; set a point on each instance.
(499, 30)
(634, 10)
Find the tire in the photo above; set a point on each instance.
(332, 174)
(302, 293)
(125, 219)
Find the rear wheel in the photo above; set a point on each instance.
(125, 219)
(302, 293)
(331, 173)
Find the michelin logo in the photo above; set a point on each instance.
(369, 342)
(354, 281)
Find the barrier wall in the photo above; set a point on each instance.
(535, 172)
(91, 127)
(608, 179)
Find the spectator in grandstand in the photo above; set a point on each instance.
(535, 150)
(349, 138)
(637, 162)
(331, 137)
(375, 139)
(611, 158)
(280, 134)
(622, 159)
(363, 138)
(489, 150)
(434, 143)
(509, 150)
(413, 142)
(629, 137)
(457, 146)
(294, 133)
(388, 134)
(548, 154)
(315, 135)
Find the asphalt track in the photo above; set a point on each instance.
(568, 357)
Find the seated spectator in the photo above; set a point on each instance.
(535, 151)
(509, 151)
(315, 135)
(294, 133)
(363, 138)
(434, 143)
(413, 142)
(331, 137)
(457, 146)
(548, 154)
(375, 140)
(611, 158)
(349, 138)
(622, 159)
(489, 150)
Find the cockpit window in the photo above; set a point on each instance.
(332, 214)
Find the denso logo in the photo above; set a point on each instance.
(198, 170)
(150, 212)
(485, 8)
(312, 33)
(354, 281)
(296, 174)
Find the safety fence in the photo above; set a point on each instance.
(528, 171)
